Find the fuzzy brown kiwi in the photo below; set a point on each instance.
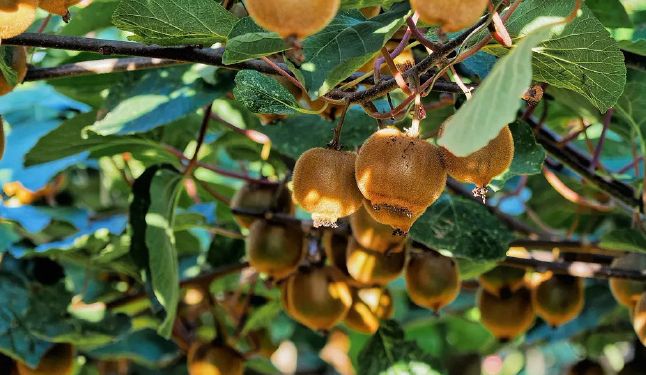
(330, 113)
(261, 197)
(399, 221)
(275, 249)
(586, 367)
(451, 15)
(558, 299)
(324, 185)
(58, 360)
(319, 297)
(432, 280)
(639, 319)
(213, 358)
(374, 235)
(508, 317)
(628, 292)
(368, 307)
(59, 7)
(400, 173)
(374, 268)
(482, 166)
(18, 63)
(288, 18)
(503, 280)
(16, 16)
(336, 246)
(370, 12)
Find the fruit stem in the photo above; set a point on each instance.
(253, 135)
(412, 26)
(573, 196)
(413, 131)
(395, 71)
(335, 144)
(370, 107)
(213, 193)
(400, 47)
(200, 139)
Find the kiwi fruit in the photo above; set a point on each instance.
(558, 299)
(507, 317)
(372, 267)
(319, 297)
(372, 234)
(18, 64)
(368, 307)
(324, 185)
(370, 12)
(330, 113)
(451, 15)
(59, 7)
(16, 16)
(293, 18)
(58, 360)
(399, 221)
(586, 367)
(483, 165)
(432, 280)
(628, 292)
(503, 280)
(639, 319)
(261, 197)
(400, 173)
(213, 358)
(275, 249)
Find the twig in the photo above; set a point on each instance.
(602, 138)
(213, 193)
(200, 139)
(395, 71)
(253, 135)
(573, 196)
(412, 26)
(578, 269)
(400, 47)
(336, 144)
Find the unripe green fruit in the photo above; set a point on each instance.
(261, 197)
(558, 299)
(628, 292)
(432, 280)
(275, 249)
(508, 317)
(214, 359)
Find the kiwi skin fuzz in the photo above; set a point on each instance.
(293, 18)
(374, 268)
(432, 280)
(374, 235)
(450, 14)
(16, 16)
(214, 359)
(558, 299)
(261, 197)
(639, 319)
(508, 317)
(275, 249)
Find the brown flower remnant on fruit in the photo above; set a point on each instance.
(399, 221)
(558, 299)
(374, 235)
(507, 317)
(432, 280)
(639, 319)
(533, 95)
(483, 165)
(503, 280)
(318, 298)
(289, 18)
(59, 7)
(261, 197)
(324, 185)
(275, 249)
(586, 367)
(16, 16)
(399, 173)
(214, 359)
(628, 292)
(58, 360)
(374, 268)
(368, 307)
(18, 63)
(450, 14)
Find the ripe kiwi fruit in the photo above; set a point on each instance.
(319, 297)
(503, 280)
(368, 306)
(275, 249)
(558, 299)
(58, 360)
(639, 319)
(432, 280)
(399, 221)
(18, 63)
(289, 18)
(400, 173)
(451, 15)
(586, 367)
(370, 12)
(324, 185)
(628, 292)
(483, 165)
(372, 234)
(336, 247)
(261, 197)
(213, 358)
(508, 317)
(16, 16)
(374, 268)
(59, 7)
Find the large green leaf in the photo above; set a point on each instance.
(464, 228)
(144, 346)
(611, 13)
(631, 106)
(174, 22)
(582, 57)
(389, 353)
(346, 44)
(496, 101)
(637, 46)
(249, 41)
(263, 94)
(624, 240)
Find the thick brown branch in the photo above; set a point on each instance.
(86, 68)
(579, 269)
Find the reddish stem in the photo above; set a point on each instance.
(200, 139)
(395, 71)
(253, 135)
(602, 138)
(412, 26)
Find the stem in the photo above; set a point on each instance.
(573, 196)
(395, 71)
(213, 193)
(602, 138)
(412, 26)
(417, 112)
(400, 47)
(578, 269)
(284, 73)
(43, 24)
(200, 139)
(335, 144)
(253, 135)
(245, 309)
(458, 80)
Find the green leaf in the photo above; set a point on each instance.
(94, 17)
(637, 46)
(147, 99)
(470, 269)
(144, 346)
(346, 44)
(262, 316)
(624, 240)
(388, 352)
(6, 58)
(611, 13)
(22, 345)
(224, 251)
(528, 155)
(464, 228)
(358, 4)
(174, 22)
(496, 101)
(263, 94)
(631, 107)
(249, 41)
(298, 134)
(583, 57)
(7, 236)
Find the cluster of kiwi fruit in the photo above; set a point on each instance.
(58, 360)
(632, 294)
